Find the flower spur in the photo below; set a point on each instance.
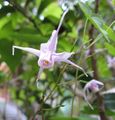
(47, 53)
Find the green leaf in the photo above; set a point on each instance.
(56, 12)
(22, 37)
(87, 110)
(37, 3)
(30, 38)
(113, 1)
(5, 10)
(98, 22)
(6, 53)
(63, 118)
(46, 28)
(103, 67)
(86, 117)
(110, 48)
(110, 100)
(44, 5)
(2, 74)
(110, 32)
(3, 21)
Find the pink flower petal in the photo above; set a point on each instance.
(94, 86)
(109, 59)
(60, 57)
(45, 59)
(30, 50)
(63, 57)
(51, 44)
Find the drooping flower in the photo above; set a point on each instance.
(111, 62)
(93, 86)
(47, 53)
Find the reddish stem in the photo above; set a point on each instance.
(100, 99)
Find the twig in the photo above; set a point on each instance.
(100, 100)
(92, 51)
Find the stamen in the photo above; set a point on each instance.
(45, 62)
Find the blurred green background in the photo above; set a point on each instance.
(29, 23)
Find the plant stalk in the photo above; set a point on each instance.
(100, 99)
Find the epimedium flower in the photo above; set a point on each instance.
(111, 62)
(47, 53)
(92, 86)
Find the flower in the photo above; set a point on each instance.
(47, 53)
(94, 86)
(111, 62)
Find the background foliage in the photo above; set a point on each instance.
(30, 23)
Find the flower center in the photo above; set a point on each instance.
(45, 62)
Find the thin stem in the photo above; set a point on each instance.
(86, 22)
(62, 18)
(38, 76)
(42, 114)
(58, 80)
(72, 104)
(92, 50)
(101, 35)
(74, 95)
